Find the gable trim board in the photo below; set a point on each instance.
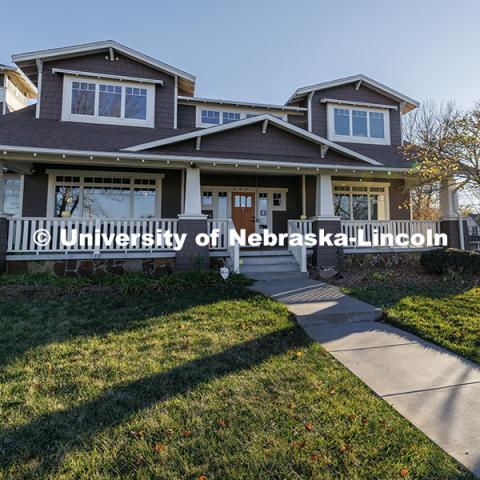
(249, 121)
(409, 103)
(125, 78)
(144, 160)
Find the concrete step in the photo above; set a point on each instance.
(264, 253)
(278, 276)
(264, 260)
(279, 267)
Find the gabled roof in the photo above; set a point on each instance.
(409, 103)
(267, 118)
(20, 79)
(26, 61)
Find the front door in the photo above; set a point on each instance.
(243, 211)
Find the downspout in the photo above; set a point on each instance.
(175, 103)
(309, 112)
(39, 63)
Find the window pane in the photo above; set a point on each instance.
(377, 207)
(359, 123)
(207, 199)
(222, 205)
(83, 98)
(144, 203)
(342, 206)
(109, 101)
(376, 125)
(342, 121)
(229, 117)
(67, 201)
(211, 117)
(106, 202)
(360, 207)
(12, 196)
(136, 103)
(277, 199)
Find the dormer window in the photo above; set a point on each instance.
(358, 124)
(106, 101)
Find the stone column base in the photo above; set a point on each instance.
(324, 256)
(192, 256)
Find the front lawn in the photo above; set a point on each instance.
(212, 382)
(443, 310)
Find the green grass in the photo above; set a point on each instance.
(443, 310)
(175, 385)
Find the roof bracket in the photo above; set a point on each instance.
(199, 141)
(112, 55)
(323, 150)
(264, 126)
(358, 85)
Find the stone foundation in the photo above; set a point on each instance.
(381, 261)
(98, 267)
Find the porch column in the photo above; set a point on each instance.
(2, 189)
(3, 242)
(192, 222)
(325, 219)
(451, 222)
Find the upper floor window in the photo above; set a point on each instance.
(207, 118)
(358, 125)
(105, 101)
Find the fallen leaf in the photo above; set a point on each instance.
(186, 434)
(404, 472)
(299, 354)
(291, 405)
(343, 449)
(202, 477)
(364, 420)
(314, 457)
(50, 367)
(308, 427)
(158, 447)
(222, 423)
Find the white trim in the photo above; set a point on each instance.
(349, 183)
(172, 161)
(52, 173)
(39, 64)
(249, 121)
(354, 139)
(95, 118)
(359, 104)
(309, 114)
(78, 73)
(104, 45)
(269, 106)
(5, 176)
(410, 102)
(175, 103)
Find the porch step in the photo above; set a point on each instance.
(266, 261)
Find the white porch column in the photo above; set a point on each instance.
(2, 189)
(324, 197)
(448, 200)
(193, 195)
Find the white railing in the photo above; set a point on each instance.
(223, 226)
(394, 227)
(21, 234)
(303, 226)
(299, 251)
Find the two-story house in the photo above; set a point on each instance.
(118, 141)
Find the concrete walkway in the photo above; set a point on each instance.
(439, 392)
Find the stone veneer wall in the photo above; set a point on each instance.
(97, 267)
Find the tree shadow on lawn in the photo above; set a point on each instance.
(29, 323)
(46, 440)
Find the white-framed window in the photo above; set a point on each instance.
(108, 101)
(103, 195)
(358, 124)
(210, 116)
(12, 194)
(361, 201)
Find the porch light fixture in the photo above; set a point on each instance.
(118, 159)
(143, 160)
(278, 167)
(389, 172)
(4, 153)
(336, 170)
(354, 171)
(91, 158)
(168, 162)
(236, 165)
(214, 164)
(63, 156)
(298, 168)
(35, 154)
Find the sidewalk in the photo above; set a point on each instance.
(437, 391)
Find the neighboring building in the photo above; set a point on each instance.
(473, 227)
(15, 89)
(118, 135)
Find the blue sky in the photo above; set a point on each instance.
(262, 50)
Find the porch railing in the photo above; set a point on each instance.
(299, 251)
(393, 227)
(224, 226)
(22, 239)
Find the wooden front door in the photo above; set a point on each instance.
(243, 211)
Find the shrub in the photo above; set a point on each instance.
(448, 260)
